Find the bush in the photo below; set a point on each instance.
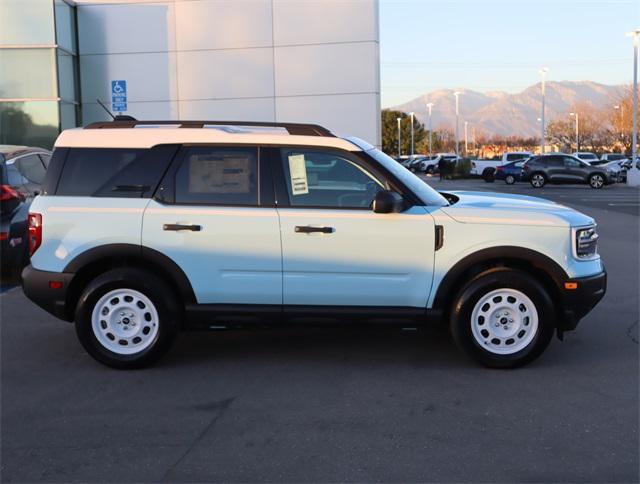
(462, 169)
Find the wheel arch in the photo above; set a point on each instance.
(545, 269)
(93, 262)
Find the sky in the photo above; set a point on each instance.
(500, 45)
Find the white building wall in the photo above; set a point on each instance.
(260, 60)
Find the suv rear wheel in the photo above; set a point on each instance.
(127, 318)
(538, 180)
(503, 318)
(596, 180)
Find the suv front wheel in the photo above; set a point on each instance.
(538, 180)
(503, 318)
(127, 318)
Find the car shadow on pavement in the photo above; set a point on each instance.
(426, 347)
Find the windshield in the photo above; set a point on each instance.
(615, 157)
(427, 194)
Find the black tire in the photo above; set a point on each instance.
(155, 289)
(489, 175)
(429, 170)
(538, 180)
(481, 285)
(596, 180)
(510, 179)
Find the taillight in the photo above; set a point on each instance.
(35, 232)
(526, 167)
(499, 168)
(8, 193)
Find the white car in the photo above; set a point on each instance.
(587, 157)
(487, 168)
(141, 233)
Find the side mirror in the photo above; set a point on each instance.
(387, 201)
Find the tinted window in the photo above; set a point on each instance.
(572, 162)
(45, 159)
(218, 176)
(88, 170)
(553, 161)
(14, 178)
(318, 178)
(32, 168)
(516, 156)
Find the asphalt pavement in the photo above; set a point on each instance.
(335, 405)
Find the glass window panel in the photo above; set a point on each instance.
(68, 116)
(33, 123)
(26, 22)
(67, 76)
(66, 26)
(218, 176)
(31, 168)
(27, 73)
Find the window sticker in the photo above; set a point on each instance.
(298, 173)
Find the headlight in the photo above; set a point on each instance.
(585, 243)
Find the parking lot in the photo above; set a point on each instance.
(336, 405)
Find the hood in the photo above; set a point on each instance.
(507, 209)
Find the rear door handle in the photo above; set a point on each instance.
(193, 228)
(306, 229)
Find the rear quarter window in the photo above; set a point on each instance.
(114, 172)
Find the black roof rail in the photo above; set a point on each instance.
(301, 129)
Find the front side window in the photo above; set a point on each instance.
(318, 178)
(218, 176)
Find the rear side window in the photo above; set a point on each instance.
(218, 176)
(31, 168)
(114, 172)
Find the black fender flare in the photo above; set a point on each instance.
(527, 257)
(138, 252)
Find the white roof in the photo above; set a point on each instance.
(151, 136)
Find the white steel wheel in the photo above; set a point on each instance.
(596, 181)
(504, 321)
(125, 321)
(537, 180)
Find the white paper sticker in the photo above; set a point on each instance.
(298, 172)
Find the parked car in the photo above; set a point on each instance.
(429, 164)
(625, 165)
(615, 169)
(560, 168)
(487, 168)
(141, 233)
(607, 157)
(22, 171)
(511, 172)
(587, 156)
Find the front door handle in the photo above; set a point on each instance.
(306, 229)
(193, 228)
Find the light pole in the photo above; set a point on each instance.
(430, 106)
(457, 94)
(633, 175)
(543, 73)
(577, 116)
(399, 148)
(411, 114)
(466, 138)
(620, 107)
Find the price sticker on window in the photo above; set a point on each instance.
(298, 173)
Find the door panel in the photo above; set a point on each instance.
(368, 259)
(235, 257)
(336, 250)
(210, 222)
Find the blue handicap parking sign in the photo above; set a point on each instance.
(118, 96)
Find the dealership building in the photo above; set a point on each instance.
(254, 60)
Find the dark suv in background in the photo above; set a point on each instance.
(560, 168)
(22, 171)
